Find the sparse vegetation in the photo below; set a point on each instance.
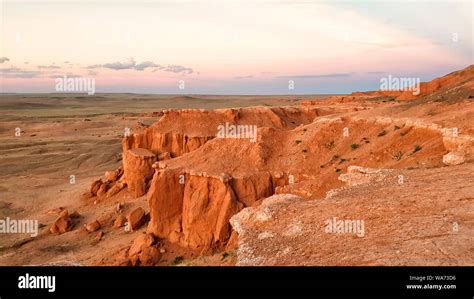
(338, 170)
(397, 156)
(177, 260)
(298, 141)
(354, 146)
(396, 128)
(225, 255)
(330, 145)
(342, 161)
(416, 148)
(383, 133)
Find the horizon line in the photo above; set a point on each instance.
(166, 94)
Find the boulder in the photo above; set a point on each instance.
(119, 221)
(99, 236)
(116, 188)
(102, 189)
(453, 158)
(92, 226)
(110, 176)
(136, 219)
(149, 256)
(62, 224)
(95, 186)
(141, 242)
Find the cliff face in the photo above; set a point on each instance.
(157, 142)
(193, 209)
(138, 170)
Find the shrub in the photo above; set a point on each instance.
(330, 145)
(354, 146)
(398, 156)
(416, 148)
(177, 260)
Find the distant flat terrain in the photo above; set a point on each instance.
(14, 106)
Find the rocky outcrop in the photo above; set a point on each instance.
(247, 222)
(461, 147)
(187, 186)
(119, 221)
(194, 209)
(176, 144)
(62, 224)
(369, 224)
(92, 226)
(136, 219)
(453, 158)
(144, 251)
(357, 175)
(191, 210)
(450, 81)
(111, 184)
(138, 170)
(183, 131)
(196, 182)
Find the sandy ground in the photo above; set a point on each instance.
(65, 142)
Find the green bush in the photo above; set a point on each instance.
(354, 146)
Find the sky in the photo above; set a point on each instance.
(230, 47)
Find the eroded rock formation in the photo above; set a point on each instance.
(196, 181)
(138, 170)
